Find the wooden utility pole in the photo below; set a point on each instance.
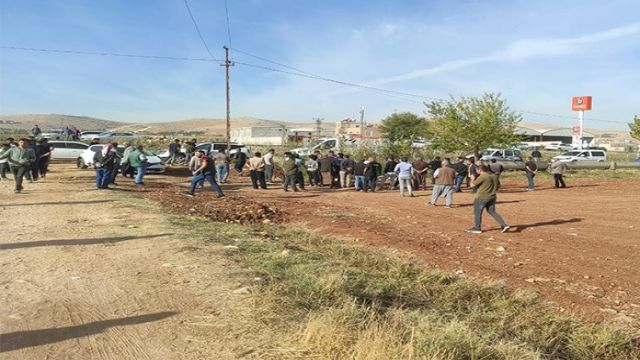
(228, 64)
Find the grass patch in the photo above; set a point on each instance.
(329, 300)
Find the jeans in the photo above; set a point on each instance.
(457, 184)
(479, 206)
(370, 183)
(4, 169)
(445, 191)
(405, 182)
(557, 178)
(268, 172)
(257, 177)
(140, 175)
(359, 180)
(201, 177)
(289, 180)
(222, 172)
(43, 165)
(103, 177)
(300, 179)
(239, 166)
(345, 179)
(531, 184)
(18, 174)
(314, 177)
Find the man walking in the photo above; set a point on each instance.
(256, 171)
(268, 165)
(290, 169)
(221, 161)
(558, 168)
(531, 169)
(404, 170)
(19, 159)
(204, 172)
(461, 174)
(241, 160)
(444, 179)
(486, 195)
(138, 160)
(372, 170)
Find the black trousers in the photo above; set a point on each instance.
(43, 165)
(559, 180)
(18, 175)
(257, 177)
(4, 169)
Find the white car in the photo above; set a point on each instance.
(109, 136)
(583, 155)
(90, 135)
(66, 150)
(559, 147)
(155, 164)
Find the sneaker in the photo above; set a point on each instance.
(506, 228)
(447, 206)
(474, 231)
(188, 194)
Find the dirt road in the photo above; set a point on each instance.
(88, 274)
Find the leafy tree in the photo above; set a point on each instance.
(472, 124)
(635, 128)
(403, 127)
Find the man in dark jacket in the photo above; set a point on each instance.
(358, 173)
(434, 165)
(290, 170)
(325, 170)
(105, 162)
(372, 170)
(419, 176)
(461, 174)
(346, 171)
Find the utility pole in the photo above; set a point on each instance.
(362, 122)
(228, 64)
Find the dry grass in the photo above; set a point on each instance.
(322, 299)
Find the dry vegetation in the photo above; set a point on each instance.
(326, 300)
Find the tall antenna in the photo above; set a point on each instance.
(362, 122)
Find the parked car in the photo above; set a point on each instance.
(559, 147)
(85, 160)
(90, 135)
(324, 144)
(109, 136)
(208, 148)
(55, 134)
(501, 155)
(66, 150)
(583, 155)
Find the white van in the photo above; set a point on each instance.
(501, 154)
(583, 155)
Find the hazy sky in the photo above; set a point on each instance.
(538, 54)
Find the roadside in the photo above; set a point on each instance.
(90, 274)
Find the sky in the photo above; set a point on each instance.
(537, 54)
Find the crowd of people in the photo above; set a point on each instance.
(26, 158)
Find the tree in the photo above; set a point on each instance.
(635, 128)
(472, 124)
(403, 127)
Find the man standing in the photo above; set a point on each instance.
(536, 155)
(36, 131)
(325, 170)
(312, 170)
(435, 165)
(125, 167)
(358, 174)
(4, 163)
(105, 162)
(268, 165)
(444, 179)
(558, 169)
(256, 171)
(496, 168)
(421, 167)
(461, 174)
(472, 172)
(531, 169)
(19, 159)
(346, 170)
(290, 169)
(174, 150)
(241, 160)
(204, 172)
(221, 161)
(372, 170)
(138, 160)
(486, 195)
(404, 171)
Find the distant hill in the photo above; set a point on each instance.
(55, 121)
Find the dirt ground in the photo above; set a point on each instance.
(88, 274)
(576, 247)
(104, 275)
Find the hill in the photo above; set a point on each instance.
(55, 121)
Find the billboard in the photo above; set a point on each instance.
(581, 103)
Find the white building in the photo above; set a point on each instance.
(260, 135)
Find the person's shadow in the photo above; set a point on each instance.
(521, 227)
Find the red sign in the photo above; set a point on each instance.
(581, 103)
(575, 130)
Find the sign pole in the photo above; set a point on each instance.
(581, 117)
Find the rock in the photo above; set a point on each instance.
(75, 278)
(192, 210)
(131, 226)
(167, 265)
(491, 238)
(460, 272)
(538, 280)
(500, 249)
(284, 252)
(230, 247)
(242, 291)
(608, 310)
(266, 221)
(587, 277)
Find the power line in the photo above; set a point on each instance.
(102, 53)
(195, 24)
(391, 93)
